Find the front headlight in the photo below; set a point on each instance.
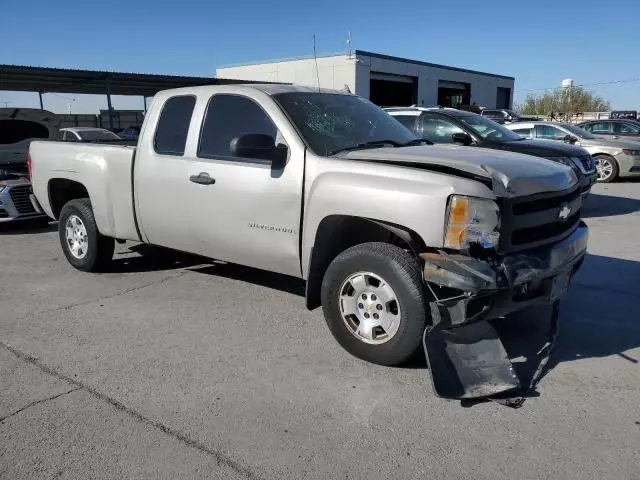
(471, 220)
(567, 161)
(628, 151)
(2, 187)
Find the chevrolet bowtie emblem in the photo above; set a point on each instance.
(564, 212)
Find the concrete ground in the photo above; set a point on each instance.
(170, 368)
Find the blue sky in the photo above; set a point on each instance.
(538, 42)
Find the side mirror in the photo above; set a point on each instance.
(570, 139)
(462, 138)
(260, 147)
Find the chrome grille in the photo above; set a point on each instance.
(537, 220)
(587, 163)
(21, 201)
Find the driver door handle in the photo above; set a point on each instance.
(202, 178)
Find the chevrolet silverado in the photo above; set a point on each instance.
(404, 244)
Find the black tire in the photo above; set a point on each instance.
(99, 249)
(402, 272)
(614, 165)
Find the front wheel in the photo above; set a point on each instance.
(374, 302)
(83, 245)
(607, 168)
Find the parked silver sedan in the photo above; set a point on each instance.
(613, 158)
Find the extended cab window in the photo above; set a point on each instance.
(524, 132)
(229, 117)
(173, 125)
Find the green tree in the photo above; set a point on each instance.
(565, 101)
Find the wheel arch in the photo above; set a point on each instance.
(63, 190)
(336, 233)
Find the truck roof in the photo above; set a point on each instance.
(269, 89)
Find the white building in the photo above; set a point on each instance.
(385, 80)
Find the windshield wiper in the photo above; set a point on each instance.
(366, 145)
(416, 142)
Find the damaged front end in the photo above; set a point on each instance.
(466, 357)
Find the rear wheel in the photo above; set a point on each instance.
(374, 302)
(83, 245)
(607, 168)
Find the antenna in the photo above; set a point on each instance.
(315, 58)
(349, 45)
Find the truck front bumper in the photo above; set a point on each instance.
(465, 354)
(489, 289)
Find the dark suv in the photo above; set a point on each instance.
(448, 125)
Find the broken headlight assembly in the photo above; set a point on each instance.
(471, 220)
(568, 161)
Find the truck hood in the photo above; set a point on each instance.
(510, 174)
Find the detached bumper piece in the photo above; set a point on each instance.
(465, 353)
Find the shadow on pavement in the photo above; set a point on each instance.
(597, 205)
(26, 227)
(150, 259)
(263, 278)
(599, 317)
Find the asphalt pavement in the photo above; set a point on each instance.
(173, 367)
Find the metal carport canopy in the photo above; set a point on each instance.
(60, 80)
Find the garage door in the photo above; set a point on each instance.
(388, 90)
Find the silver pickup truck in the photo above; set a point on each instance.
(400, 241)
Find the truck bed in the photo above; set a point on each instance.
(103, 169)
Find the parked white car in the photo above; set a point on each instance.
(613, 158)
(87, 134)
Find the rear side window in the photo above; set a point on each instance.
(173, 125)
(602, 127)
(619, 127)
(229, 117)
(550, 132)
(408, 121)
(439, 130)
(524, 132)
(14, 131)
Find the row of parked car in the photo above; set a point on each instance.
(592, 149)
(18, 127)
(599, 150)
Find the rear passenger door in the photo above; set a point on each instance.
(626, 129)
(161, 177)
